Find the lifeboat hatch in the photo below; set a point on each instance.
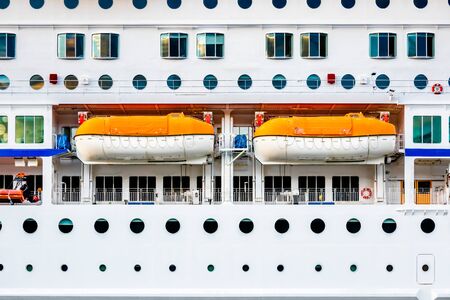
(425, 269)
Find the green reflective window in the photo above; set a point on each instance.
(70, 45)
(7, 45)
(383, 45)
(29, 129)
(313, 45)
(421, 45)
(105, 45)
(210, 45)
(3, 129)
(427, 129)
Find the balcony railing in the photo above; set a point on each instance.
(422, 196)
(242, 195)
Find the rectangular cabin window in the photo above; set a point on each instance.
(105, 46)
(210, 45)
(277, 183)
(7, 45)
(427, 129)
(345, 188)
(29, 129)
(279, 45)
(314, 45)
(3, 129)
(70, 45)
(173, 45)
(312, 188)
(6, 181)
(142, 188)
(108, 188)
(242, 188)
(70, 188)
(420, 45)
(176, 183)
(383, 45)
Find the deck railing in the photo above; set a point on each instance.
(422, 196)
(242, 196)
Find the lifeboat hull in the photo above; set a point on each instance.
(303, 150)
(107, 149)
(8, 196)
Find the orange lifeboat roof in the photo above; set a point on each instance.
(172, 124)
(348, 125)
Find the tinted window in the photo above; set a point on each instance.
(36, 4)
(173, 45)
(382, 81)
(210, 82)
(314, 44)
(174, 4)
(244, 82)
(71, 4)
(244, 3)
(174, 82)
(313, 81)
(105, 82)
(71, 82)
(382, 3)
(279, 82)
(383, 45)
(139, 82)
(279, 45)
(210, 3)
(279, 3)
(420, 81)
(421, 45)
(7, 45)
(210, 45)
(348, 3)
(313, 3)
(140, 4)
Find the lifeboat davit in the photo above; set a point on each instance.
(174, 138)
(301, 140)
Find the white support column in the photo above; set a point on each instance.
(410, 194)
(159, 191)
(207, 195)
(259, 182)
(227, 157)
(379, 183)
(86, 183)
(47, 181)
(328, 189)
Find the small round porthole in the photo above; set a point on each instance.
(174, 82)
(139, 82)
(4, 82)
(280, 268)
(101, 225)
(353, 268)
(65, 225)
(137, 225)
(137, 268)
(210, 225)
(140, 4)
(425, 268)
(173, 226)
(210, 268)
(389, 268)
(210, 4)
(36, 82)
(37, 4)
(102, 268)
(244, 82)
(105, 82)
(317, 226)
(71, 82)
(29, 268)
(353, 225)
(427, 225)
(1, 267)
(174, 4)
(64, 268)
(244, 3)
(245, 268)
(282, 226)
(246, 225)
(172, 268)
(30, 225)
(318, 268)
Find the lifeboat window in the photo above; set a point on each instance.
(311, 188)
(137, 225)
(246, 225)
(383, 45)
(71, 4)
(70, 45)
(105, 82)
(382, 81)
(279, 45)
(279, 82)
(210, 45)
(139, 82)
(210, 4)
(282, 226)
(105, 4)
(245, 82)
(174, 4)
(314, 45)
(139, 4)
(210, 82)
(345, 188)
(313, 81)
(245, 268)
(65, 225)
(142, 188)
(279, 3)
(137, 268)
(383, 3)
(37, 4)
(389, 225)
(174, 82)
(348, 81)
(244, 3)
(427, 129)
(427, 225)
(4, 82)
(173, 45)
(348, 3)
(173, 226)
(210, 225)
(71, 82)
(105, 46)
(421, 45)
(353, 225)
(36, 82)
(420, 3)
(317, 226)
(30, 225)
(420, 81)
(4, 4)
(101, 225)
(108, 189)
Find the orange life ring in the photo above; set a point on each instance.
(437, 88)
(366, 193)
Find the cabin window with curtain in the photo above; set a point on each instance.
(174, 45)
(279, 45)
(210, 45)
(345, 188)
(70, 45)
(7, 45)
(314, 45)
(383, 45)
(105, 45)
(29, 129)
(427, 129)
(3, 129)
(421, 45)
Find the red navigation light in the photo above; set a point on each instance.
(259, 118)
(331, 78)
(208, 117)
(53, 78)
(82, 117)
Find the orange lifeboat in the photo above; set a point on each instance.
(16, 194)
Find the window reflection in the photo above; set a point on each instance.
(421, 45)
(174, 45)
(210, 45)
(71, 45)
(3, 129)
(105, 45)
(279, 45)
(7, 45)
(314, 45)
(29, 129)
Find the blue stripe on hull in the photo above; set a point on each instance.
(428, 152)
(31, 152)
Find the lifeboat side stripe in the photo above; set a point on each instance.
(138, 136)
(323, 136)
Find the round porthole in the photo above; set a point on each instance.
(102, 268)
(279, 3)
(353, 268)
(36, 82)
(427, 225)
(210, 268)
(139, 4)
(348, 81)
(0, 225)
(420, 81)
(382, 81)
(313, 3)
(137, 225)
(64, 268)
(389, 268)
(244, 3)
(389, 225)
(420, 3)
(317, 226)
(29, 268)
(245, 82)
(210, 82)
(280, 268)
(65, 225)
(137, 268)
(425, 268)
(279, 82)
(4, 82)
(210, 4)
(382, 3)
(4, 4)
(174, 4)
(105, 82)
(139, 82)
(1, 267)
(282, 226)
(353, 225)
(246, 225)
(30, 225)
(71, 4)
(318, 268)
(101, 225)
(173, 226)
(37, 4)
(313, 81)
(105, 4)
(174, 82)
(348, 3)
(210, 225)
(245, 268)
(172, 268)
(71, 82)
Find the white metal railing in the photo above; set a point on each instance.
(345, 195)
(142, 195)
(66, 196)
(108, 195)
(242, 195)
(422, 196)
(180, 196)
